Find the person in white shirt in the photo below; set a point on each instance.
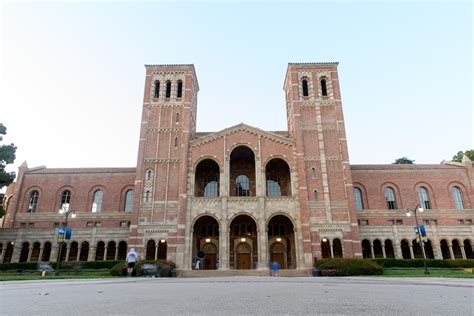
(132, 258)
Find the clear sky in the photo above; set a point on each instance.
(73, 73)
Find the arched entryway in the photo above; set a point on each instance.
(325, 248)
(416, 249)
(366, 249)
(84, 251)
(122, 250)
(378, 252)
(456, 249)
(243, 243)
(35, 252)
(150, 250)
(8, 252)
(281, 242)
(242, 172)
(429, 250)
(337, 248)
(445, 249)
(468, 249)
(25, 249)
(162, 249)
(205, 243)
(99, 252)
(46, 252)
(110, 250)
(389, 249)
(405, 249)
(74, 248)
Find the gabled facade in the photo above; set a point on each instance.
(242, 197)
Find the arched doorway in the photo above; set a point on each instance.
(84, 251)
(429, 250)
(8, 252)
(63, 251)
(405, 249)
(74, 248)
(46, 252)
(281, 242)
(325, 248)
(445, 249)
(150, 250)
(99, 252)
(206, 242)
(25, 249)
(389, 249)
(162, 249)
(122, 250)
(456, 249)
(366, 249)
(468, 249)
(243, 243)
(337, 248)
(35, 252)
(111, 250)
(242, 172)
(417, 252)
(378, 252)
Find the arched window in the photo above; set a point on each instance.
(423, 197)
(147, 196)
(304, 84)
(177, 117)
(324, 90)
(168, 89)
(179, 91)
(313, 173)
(273, 186)
(390, 198)
(97, 202)
(128, 201)
(211, 188)
(457, 198)
(157, 89)
(33, 202)
(65, 198)
(315, 195)
(149, 174)
(242, 186)
(359, 203)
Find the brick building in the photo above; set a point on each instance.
(241, 197)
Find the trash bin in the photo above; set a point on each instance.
(317, 272)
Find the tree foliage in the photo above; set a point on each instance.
(469, 153)
(7, 156)
(404, 161)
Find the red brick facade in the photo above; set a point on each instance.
(241, 197)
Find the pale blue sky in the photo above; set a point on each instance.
(73, 74)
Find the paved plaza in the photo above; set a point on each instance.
(239, 296)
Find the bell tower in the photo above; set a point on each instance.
(316, 123)
(168, 123)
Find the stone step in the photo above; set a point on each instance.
(228, 273)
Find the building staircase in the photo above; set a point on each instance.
(230, 273)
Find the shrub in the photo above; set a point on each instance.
(164, 267)
(19, 266)
(102, 264)
(120, 269)
(418, 263)
(345, 267)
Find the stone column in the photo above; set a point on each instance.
(451, 253)
(30, 251)
(398, 251)
(463, 252)
(383, 251)
(92, 253)
(372, 250)
(68, 250)
(411, 251)
(332, 250)
(156, 250)
(105, 252)
(116, 252)
(54, 251)
(40, 255)
(2, 254)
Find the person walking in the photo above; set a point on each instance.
(132, 258)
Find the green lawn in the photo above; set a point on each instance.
(434, 272)
(34, 275)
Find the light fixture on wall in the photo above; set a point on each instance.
(243, 239)
(208, 240)
(325, 239)
(278, 239)
(162, 241)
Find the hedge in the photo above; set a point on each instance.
(345, 267)
(418, 263)
(70, 265)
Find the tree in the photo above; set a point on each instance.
(404, 161)
(469, 153)
(7, 156)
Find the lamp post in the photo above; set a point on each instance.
(420, 239)
(64, 210)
